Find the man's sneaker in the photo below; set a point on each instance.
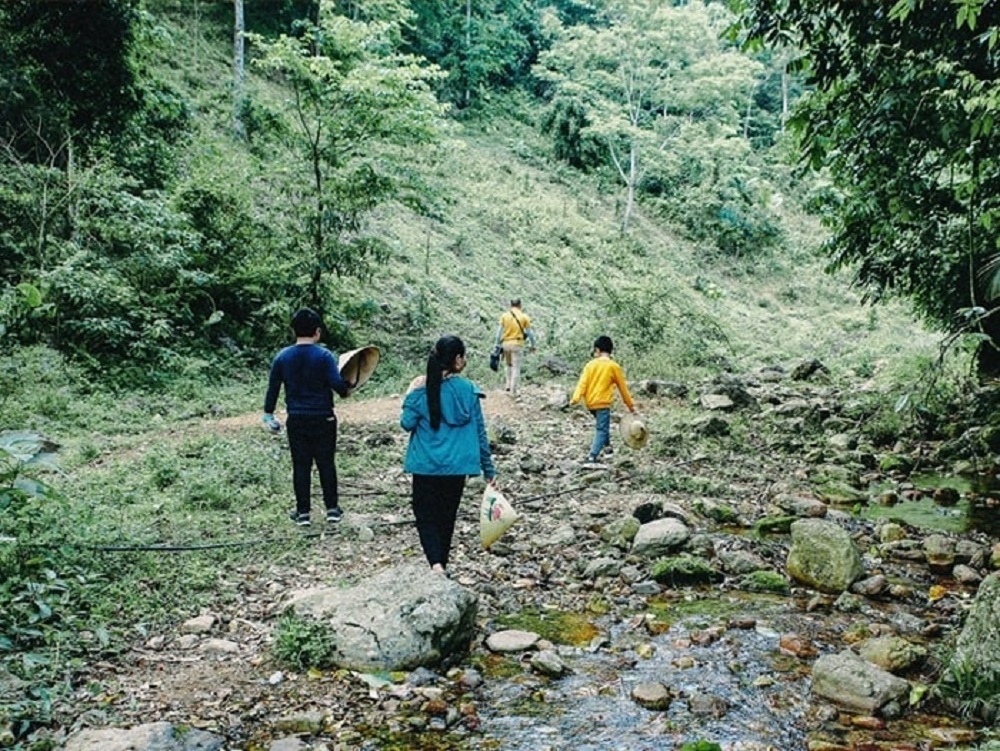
(609, 451)
(334, 514)
(301, 519)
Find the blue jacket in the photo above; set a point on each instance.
(310, 375)
(459, 446)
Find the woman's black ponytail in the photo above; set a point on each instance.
(439, 362)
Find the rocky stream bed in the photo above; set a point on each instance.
(621, 639)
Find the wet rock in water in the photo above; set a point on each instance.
(738, 562)
(851, 681)
(511, 640)
(823, 556)
(706, 704)
(652, 695)
(548, 663)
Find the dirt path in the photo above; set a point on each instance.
(361, 411)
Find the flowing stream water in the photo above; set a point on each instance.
(733, 687)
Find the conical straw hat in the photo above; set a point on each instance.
(633, 431)
(496, 516)
(357, 365)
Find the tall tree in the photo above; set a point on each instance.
(903, 114)
(353, 99)
(483, 45)
(631, 88)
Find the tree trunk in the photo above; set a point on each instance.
(239, 130)
(633, 178)
(468, 47)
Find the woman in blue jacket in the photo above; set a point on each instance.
(447, 443)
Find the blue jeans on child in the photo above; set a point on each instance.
(602, 431)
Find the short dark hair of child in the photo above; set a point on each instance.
(604, 344)
(305, 322)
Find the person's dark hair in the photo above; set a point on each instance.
(604, 344)
(515, 302)
(305, 322)
(441, 358)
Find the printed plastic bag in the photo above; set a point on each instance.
(496, 516)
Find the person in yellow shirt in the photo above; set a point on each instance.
(596, 388)
(512, 334)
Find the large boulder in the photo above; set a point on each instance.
(154, 736)
(402, 618)
(823, 556)
(978, 647)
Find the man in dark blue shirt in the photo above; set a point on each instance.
(310, 375)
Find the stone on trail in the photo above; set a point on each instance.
(401, 618)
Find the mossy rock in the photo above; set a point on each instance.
(684, 570)
(765, 581)
(774, 525)
(896, 463)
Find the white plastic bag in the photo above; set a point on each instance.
(496, 516)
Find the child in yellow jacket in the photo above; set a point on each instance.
(596, 388)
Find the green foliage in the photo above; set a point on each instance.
(488, 49)
(902, 116)
(700, 746)
(66, 73)
(301, 643)
(355, 99)
(971, 691)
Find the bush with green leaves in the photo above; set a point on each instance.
(302, 643)
(971, 692)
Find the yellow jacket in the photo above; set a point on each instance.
(597, 384)
(509, 331)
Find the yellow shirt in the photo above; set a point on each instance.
(510, 331)
(597, 384)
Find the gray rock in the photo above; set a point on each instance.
(660, 537)
(199, 625)
(651, 695)
(823, 556)
(511, 640)
(850, 681)
(892, 653)
(399, 619)
(155, 736)
(549, 663)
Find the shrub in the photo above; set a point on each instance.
(303, 643)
